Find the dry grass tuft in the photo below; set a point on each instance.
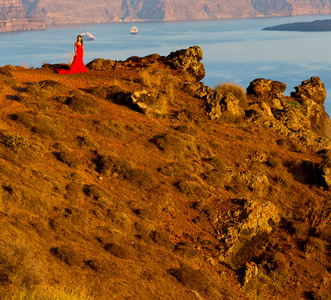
(112, 93)
(216, 174)
(176, 169)
(83, 103)
(235, 90)
(44, 125)
(112, 165)
(150, 81)
(13, 141)
(176, 146)
(192, 188)
(113, 128)
(19, 266)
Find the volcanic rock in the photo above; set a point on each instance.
(312, 88)
(266, 88)
(187, 61)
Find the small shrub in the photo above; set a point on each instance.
(13, 141)
(47, 126)
(113, 128)
(67, 157)
(235, 90)
(97, 194)
(214, 178)
(66, 254)
(289, 144)
(112, 93)
(160, 237)
(176, 146)
(192, 188)
(280, 265)
(191, 115)
(176, 168)
(314, 246)
(322, 294)
(73, 190)
(87, 142)
(19, 266)
(8, 78)
(153, 82)
(83, 103)
(119, 251)
(274, 162)
(140, 177)
(111, 165)
(185, 249)
(47, 292)
(194, 279)
(46, 89)
(216, 175)
(170, 92)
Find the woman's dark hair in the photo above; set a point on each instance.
(81, 38)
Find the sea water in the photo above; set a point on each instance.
(234, 50)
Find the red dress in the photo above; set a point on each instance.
(77, 65)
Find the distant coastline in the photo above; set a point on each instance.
(318, 25)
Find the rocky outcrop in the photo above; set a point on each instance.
(266, 88)
(187, 62)
(249, 221)
(101, 64)
(147, 104)
(312, 89)
(219, 102)
(295, 116)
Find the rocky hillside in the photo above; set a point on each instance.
(137, 181)
(65, 12)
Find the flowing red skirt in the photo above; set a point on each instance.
(77, 65)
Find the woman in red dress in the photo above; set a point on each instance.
(77, 65)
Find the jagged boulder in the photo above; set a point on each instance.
(148, 105)
(219, 102)
(311, 95)
(101, 64)
(325, 172)
(187, 61)
(266, 88)
(312, 88)
(242, 228)
(292, 118)
(251, 270)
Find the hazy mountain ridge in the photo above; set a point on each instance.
(13, 17)
(65, 12)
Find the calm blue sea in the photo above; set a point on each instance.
(234, 50)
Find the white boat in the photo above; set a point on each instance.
(87, 36)
(134, 30)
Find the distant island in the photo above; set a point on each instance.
(319, 25)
